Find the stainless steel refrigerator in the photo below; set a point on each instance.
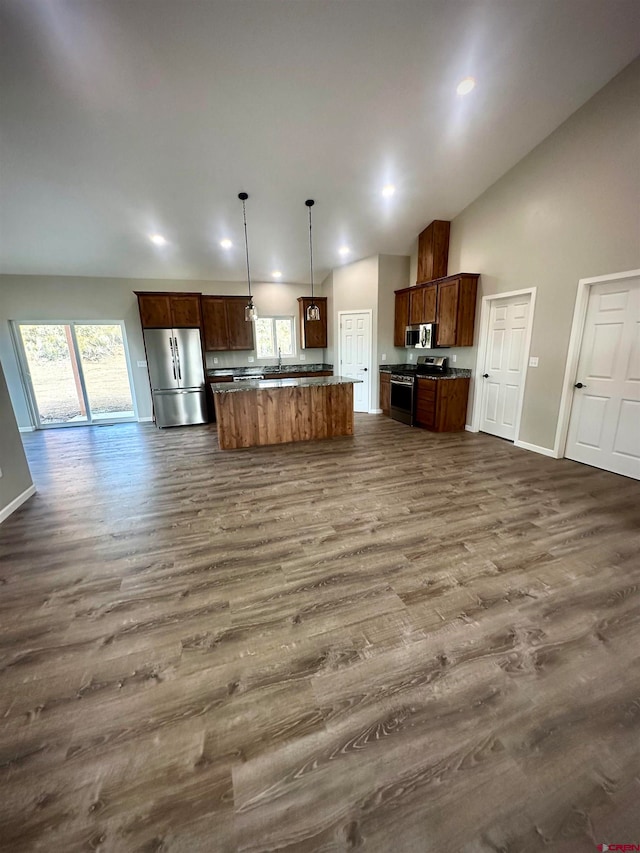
(174, 359)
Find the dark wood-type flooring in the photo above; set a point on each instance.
(396, 641)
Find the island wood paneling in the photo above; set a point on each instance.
(254, 417)
(399, 641)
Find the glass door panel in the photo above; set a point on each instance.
(104, 366)
(54, 374)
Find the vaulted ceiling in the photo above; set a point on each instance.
(122, 119)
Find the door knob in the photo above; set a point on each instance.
(579, 385)
(485, 375)
(365, 369)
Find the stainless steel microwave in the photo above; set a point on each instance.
(421, 337)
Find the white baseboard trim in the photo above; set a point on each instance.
(375, 411)
(145, 420)
(469, 428)
(535, 448)
(16, 502)
(26, 429)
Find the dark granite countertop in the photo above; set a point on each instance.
(265, 384)
(410, 370)
(260, 369)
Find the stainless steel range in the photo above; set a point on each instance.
(403, 386)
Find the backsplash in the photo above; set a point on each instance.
(240, 358)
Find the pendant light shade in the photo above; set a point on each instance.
(313, 312)
(250, 311)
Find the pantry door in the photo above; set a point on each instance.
(604, 427)
(504, 366)
(355, 354)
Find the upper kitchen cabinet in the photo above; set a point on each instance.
(224, 325)
(401, 318)
(313, 333)
(456, 310)
(433, 251)
(422, 304)
(169, 310)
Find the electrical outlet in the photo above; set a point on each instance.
(384, 356)
(142, 363)
(0, 472)
(215, 360)
(410, 356)
(250, 359)
(303, 357)
(533, 361)
(453, 357)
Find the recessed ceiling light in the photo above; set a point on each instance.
(226, 243)
(388, 190)
(465, 86)
(157, 239)
(344, 250)
(276, 274)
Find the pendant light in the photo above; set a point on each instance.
(250, 311)
(313, 312)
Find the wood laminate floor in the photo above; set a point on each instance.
(399, 641)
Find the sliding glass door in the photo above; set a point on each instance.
(75, 373)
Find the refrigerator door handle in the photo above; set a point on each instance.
(173, 358)
(175, 340)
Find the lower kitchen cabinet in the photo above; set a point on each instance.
(441, 404)
(385, 392)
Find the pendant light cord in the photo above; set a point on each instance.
(246, 244)
(310, 251)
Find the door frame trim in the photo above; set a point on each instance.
(575, 344)
(485, 313)
(368, 311)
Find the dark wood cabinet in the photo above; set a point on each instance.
(169, 310)
(456, 311)
(224, 325)
(241, 333)
(450, 302)
(422, 304)
(385, 392)
(401, 318)
(313, 333)
(433, 251)
(441, 404)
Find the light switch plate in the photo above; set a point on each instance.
(533, 361)
(215, 360)
(384, 356)
(303, 357)
(142, 363)
(250, 359)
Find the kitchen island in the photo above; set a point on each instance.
(276, 411)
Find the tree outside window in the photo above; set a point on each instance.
(273, 334)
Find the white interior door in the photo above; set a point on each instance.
(504, 365)
(604, 428)
(355, 355)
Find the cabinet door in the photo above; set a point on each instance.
(385, 392)
(401, 317)
(430, 302)
(433, 251)
(185, 311)
(416, 306)
(214, 321)
(240, 331)
(313, 333)
(155, 311)
(447, 313)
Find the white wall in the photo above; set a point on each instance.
(52, 298)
